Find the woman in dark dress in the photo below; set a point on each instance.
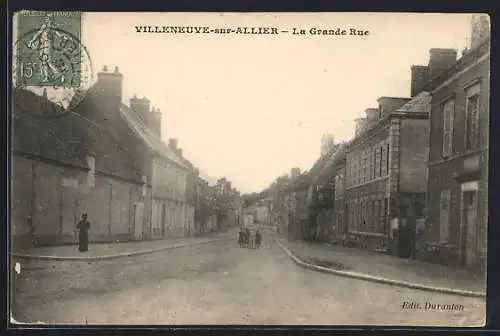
(241, 239)
(257, 239)
(83, 236)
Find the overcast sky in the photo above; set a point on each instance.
(250, 107)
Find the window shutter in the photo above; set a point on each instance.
(382, 161)
(448, 116)
(444, 218)
(472, 112)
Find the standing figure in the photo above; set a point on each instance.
(257, 239)
(83, 236)
(248, 237)
(241, 239)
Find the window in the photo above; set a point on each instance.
(472, 118)
(376, 162)
(365, 165)
(387, 153)
(376, 215)
(359, 167)
(380, 161)
(444, 216)
(383, 164)
(448, 117)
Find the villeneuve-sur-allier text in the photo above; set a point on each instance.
(164, 29)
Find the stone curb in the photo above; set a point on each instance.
(366, 277)
(113, 256)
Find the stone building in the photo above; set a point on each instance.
(339, 165)
(167, 172)
(87, 161)
(386, 164)
(192, 189)
(457, 201)
(321, 195)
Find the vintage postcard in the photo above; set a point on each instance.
(249, 168)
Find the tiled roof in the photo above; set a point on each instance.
(152, 140)
(60, 139)
(419, 103)
(69, 138)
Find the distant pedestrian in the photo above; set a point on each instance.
(241, 237)
(257, 239)
(83, 236)
(248, 236)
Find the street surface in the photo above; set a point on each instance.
(221, 283)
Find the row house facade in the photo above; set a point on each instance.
(386, 167)
(280, 192)
(87, 161)
(191, 188)
(339, 226)
(228, 204)
(205, 218)
(299, 216)
(321, 193)
(457, 201)
(167, 174)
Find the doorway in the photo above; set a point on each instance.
(468, 227)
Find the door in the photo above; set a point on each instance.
(163, 218)
(138, 219)
(469, 224)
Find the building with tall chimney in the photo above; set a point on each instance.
(89, 161)
(457, 199)
(167, 173)
(386, 161)
(327, 142)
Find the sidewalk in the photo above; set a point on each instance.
(393, 269)
(112, 250)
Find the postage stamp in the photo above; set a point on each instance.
(50, 60)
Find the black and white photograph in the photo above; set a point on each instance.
(249, 168)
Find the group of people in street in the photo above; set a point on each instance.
(248, 240)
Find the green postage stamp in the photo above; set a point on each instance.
(49, 58)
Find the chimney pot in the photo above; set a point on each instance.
(359, 125)
(172, 143)
(105, 68)
(480, 30)
(440, 60)
(117, 70)
(419, 78)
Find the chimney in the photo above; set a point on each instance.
(372, 116)
(178, 151)
(386, 105)
(155, 126)
(419, 78)
(294, 172)
(109, 85)
(440, 60)
(480, 30)
(141, 107)
(359, 125)
(172, 143)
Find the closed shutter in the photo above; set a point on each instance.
(448, 117)
(444, 218)
(472, 124)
